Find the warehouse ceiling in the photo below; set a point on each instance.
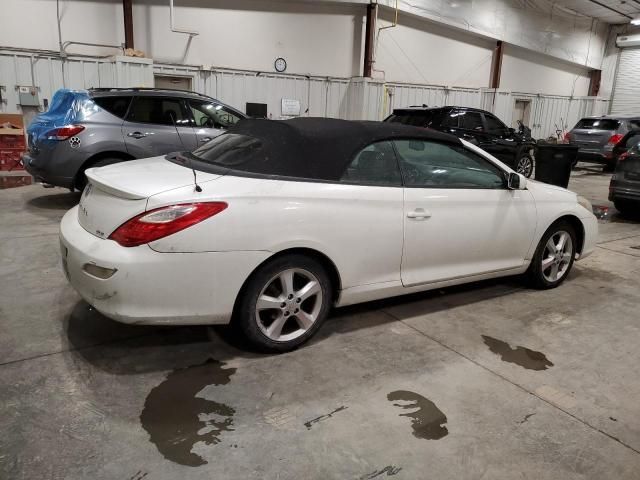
(609, 11)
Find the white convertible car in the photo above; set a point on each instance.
(274, 222)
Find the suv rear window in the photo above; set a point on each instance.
(417, 118)
(598, 124)
(117, 106)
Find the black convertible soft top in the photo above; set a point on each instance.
(313, 148)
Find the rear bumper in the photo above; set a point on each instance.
(595, 156)
(42, 174)
(149, 287)
(623, 190)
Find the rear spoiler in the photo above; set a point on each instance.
(93, 175)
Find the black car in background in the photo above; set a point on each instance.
(624, 189)
(630, 140)
(515, 148)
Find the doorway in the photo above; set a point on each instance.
(522, 112)
(172, 82)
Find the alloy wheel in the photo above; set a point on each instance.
(289, 305)
(556, 257)
(525, 166)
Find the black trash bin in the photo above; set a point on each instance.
(553, 163)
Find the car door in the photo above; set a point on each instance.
(460, 219)
(157, 125)
(501, 143)
(210, 119)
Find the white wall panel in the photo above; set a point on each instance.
(527, 71)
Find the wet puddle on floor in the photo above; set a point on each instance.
(176, 418)
(427, 420)
(524, 357)
(12, 181)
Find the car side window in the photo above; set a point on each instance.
(212, 115)
(471, 121)
(633, 140)
(374, 165)
(494, 125)
(438, 165)
(452, 119)
(158, 110)
(117, 106)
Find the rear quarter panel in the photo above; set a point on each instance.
(358, 227)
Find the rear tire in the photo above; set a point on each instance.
(554, 257)
(284, 303)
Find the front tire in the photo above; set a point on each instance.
(525, 165)
(554, 256)
(284, 303)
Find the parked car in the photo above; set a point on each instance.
(516, 149)
(274, 222)
(630, 140)
(91, 128)
(624, 189)
(597, 137)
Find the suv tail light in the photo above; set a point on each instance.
(62, 133)
(567, 137)
(164, 221)
(614, 139)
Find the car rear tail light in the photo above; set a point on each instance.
(623, 156)
(614, 139)
(164, 221)
(63, 133)
(567, 137)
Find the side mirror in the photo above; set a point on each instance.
(515, 181)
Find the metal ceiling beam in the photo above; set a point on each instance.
(611, 8)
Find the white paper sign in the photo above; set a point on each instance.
(290, 107)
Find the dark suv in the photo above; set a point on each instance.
(516, 149)
(91, 128)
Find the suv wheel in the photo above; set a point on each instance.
(81, 179)
(525, 165)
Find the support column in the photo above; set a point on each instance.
(496, 65)
(369, 39)
(127, 9)
(595, 76)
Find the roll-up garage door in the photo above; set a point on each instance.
(626, 94)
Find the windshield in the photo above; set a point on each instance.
(229, 150)
(598, 124)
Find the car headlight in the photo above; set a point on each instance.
(585, 203)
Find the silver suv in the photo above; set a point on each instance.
(91, 128)
(597, 136)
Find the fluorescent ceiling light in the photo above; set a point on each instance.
(635, 20)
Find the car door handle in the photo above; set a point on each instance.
(136, 135)
(419, 213)
(205, 139)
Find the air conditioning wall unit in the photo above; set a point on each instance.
(628, 41)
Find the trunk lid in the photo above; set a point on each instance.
(116, 193)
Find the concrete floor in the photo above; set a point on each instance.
(419, 387)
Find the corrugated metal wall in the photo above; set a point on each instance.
(49, 73)
(355, 98)
(548, 113)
